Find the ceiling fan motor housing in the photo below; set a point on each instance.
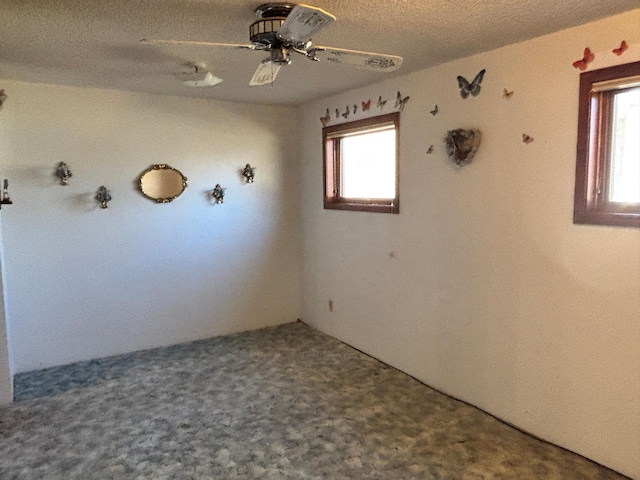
(271, 16)
(264, 30)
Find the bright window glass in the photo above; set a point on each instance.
(368, 165)
(624, 186)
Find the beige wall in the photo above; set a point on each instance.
(82, 282)
(482, 286)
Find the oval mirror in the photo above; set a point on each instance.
(162, 183)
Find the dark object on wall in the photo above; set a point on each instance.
(472, 88)
(249, 173)
(401, 101)
(218, 193)
(462, 144)
(6, 200)
(3, 97)
(103, 196)
(63, 173)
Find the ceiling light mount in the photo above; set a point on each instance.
(277, 9)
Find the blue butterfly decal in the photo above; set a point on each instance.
(472, 88)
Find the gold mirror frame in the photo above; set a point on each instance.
(162, 183)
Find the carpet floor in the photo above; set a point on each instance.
(280, 403)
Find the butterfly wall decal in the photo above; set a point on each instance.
(337, 113)
(355, 108)
(526, 138)
(366, 105)
(472, 88)
(621, 49)
(430, 150)
(3, 97)
(401, 102)
(381, 103)
(586, 59)
(506, 94)
(346, 112)
(434, 112)
(325, 119)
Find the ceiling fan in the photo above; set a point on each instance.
(283, 28)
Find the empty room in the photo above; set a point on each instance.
(394, 240)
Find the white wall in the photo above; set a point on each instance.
(82, 282)
(6, 385)
(482, 286)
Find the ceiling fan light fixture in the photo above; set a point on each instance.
(280, 56)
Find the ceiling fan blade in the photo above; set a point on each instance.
(265, 73)
(371, 61)
(203, 44)
(303, 22)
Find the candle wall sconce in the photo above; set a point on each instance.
(6, 200)
(103, 196)
(63, 173)
(218, 193)
(248, 173)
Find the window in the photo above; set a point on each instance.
(607, 188)
(361, 165)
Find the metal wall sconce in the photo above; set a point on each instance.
(218, 193)
(6, 200)
(63, 173)
(248, 173)
(103, 196)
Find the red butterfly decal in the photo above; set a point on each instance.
(622, 49)
(366, 105)
(430, 150)
(586, 59)
(526, 138)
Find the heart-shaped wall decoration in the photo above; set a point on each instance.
(462, 144)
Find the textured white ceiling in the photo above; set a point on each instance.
(93, 43)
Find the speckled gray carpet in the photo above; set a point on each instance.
(281, 403)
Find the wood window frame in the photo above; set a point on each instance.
(331, 137)
(591, 205)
